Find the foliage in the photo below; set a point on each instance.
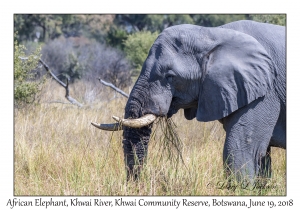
(62, 57)
(80, 58)
(74, 69)
(114, 28)
(34, 26)
(142, 22)
(137, 47)
(25, 87)
(116, 37)
(213, 20)
(94, 26)
(53, 26)
(279, 19)
(173, 19)
(68, 36)
(158, 22)
(132, 23)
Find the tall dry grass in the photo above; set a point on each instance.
(58, 152)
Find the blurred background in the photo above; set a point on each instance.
(83, 48)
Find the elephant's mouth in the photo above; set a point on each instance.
(176, 105)
(171, 112)
(145, 120)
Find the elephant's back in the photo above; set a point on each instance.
(271, 37)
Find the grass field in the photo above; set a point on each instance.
(58, 152)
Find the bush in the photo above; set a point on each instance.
(279, 19)
(137, 47)
(63, 55)
(116, 37)
(25, 67)
(81, 58)
(110, 64)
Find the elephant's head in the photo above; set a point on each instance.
(208, 72)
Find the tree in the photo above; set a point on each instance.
(25, 87)
(134, 22)
(63, 57)
(213, 20)
(278, 19)
(173, 19)
(141, 22)
(137, 47)
(116, 37)
(47, 27)
(35, 26)
(92, 26)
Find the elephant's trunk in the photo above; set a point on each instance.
(135, 146)
(135, 142)
(136, 128)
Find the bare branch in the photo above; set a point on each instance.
(66, 86)
(58, 102)
(52, 75)
(113, 87)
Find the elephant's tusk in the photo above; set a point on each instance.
(136, 123)
(109, 127)
(133, 123)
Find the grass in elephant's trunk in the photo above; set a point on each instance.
(171, 144)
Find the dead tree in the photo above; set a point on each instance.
(66, 86)
(113, 87)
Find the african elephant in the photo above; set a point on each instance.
(235, 73)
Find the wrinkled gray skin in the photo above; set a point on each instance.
(234, 73)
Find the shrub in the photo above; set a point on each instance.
(63, 57)
(116, 37)
(110, 64)
(25, 66)
(279, 19)
(137, 47)
(81, 58)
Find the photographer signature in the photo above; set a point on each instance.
(245, 184)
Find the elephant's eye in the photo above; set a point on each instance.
(170, 78)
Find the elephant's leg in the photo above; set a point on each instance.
(248, 134)
(279, 134)
(265, 165)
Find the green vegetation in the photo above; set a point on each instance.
(137, 47)
(25, 87)
(273, 19)
(128, 35)
(46, 27)
(216, 20)
(116, 37)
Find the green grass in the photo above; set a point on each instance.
(58, 152)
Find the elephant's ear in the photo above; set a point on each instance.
(237, 70)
